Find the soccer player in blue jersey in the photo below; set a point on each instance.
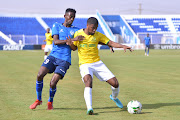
(147, 40)
(59, 59)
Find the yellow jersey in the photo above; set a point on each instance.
(49, 38)
(88, 48)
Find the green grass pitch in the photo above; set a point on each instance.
(152, 80)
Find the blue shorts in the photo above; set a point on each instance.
(148, 46)
(56, 65)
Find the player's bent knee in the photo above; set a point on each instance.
(53, 84)
(40, 76)
(113, 82)
(116, 85)
(88, 81)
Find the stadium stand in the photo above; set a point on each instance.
(3, 41)
(78, 22)
(176, 22)
(20, 26)
(148, 24)
(138, 24)
(30, 30)
(113, 22)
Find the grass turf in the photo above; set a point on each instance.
(152, 80)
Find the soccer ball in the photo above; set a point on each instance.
(134, 107)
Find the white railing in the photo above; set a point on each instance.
(161, 38)
(25, 39)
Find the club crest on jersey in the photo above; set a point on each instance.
(93, 39)
(61, 30)
(72, 32)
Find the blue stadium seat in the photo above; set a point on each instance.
(148, 24)
(78, 22)
(113, 23)
(176, 22)
(3, 41)
(29, 26)
(20, 26)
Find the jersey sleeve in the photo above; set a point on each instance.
(103, 38)
(75, 35)
(55, 29)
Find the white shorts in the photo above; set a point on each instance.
(48, 48)
(98, 69)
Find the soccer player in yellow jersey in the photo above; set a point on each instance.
(49, 41)
(90, 63)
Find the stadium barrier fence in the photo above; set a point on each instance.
(161, 38)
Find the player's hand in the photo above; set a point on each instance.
(111, 48)
(69, 41)
(127, 47)
(78, 38)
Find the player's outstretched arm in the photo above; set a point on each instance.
(111, 48)
(117, 45)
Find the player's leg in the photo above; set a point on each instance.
(39, 86)
(114, 87)
(46, 67)
(145, 50)
(39, 82)
(148, 50)
(87, 77)
(104, 74)
(88, 93)
(60, 70)
(115, 91)
(55, 78)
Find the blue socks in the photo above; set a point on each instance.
(39, 87)
(51, 94)
(148, 52)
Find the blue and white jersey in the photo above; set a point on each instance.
(62, 51)
(147, 40)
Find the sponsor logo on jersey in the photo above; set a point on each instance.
(93, 39)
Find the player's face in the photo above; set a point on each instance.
(48, 30)
(91, 28)
(69, 18)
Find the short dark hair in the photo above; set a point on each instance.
(92, 20)
(70, 10)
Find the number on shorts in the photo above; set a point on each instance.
(46, 61)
